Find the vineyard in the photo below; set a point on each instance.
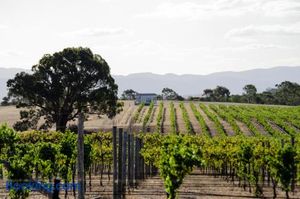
(211, 119)
(242, 150)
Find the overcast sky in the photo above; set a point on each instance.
(159, 36)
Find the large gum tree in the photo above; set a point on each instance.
(64, 84)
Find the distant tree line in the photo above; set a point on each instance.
(166, 94)
(285, 93)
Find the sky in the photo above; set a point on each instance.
(158, 36)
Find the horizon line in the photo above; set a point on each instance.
(179, 74)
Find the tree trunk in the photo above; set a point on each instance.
(73, 180)
(56, 189)
(90, 179)
(36, 173)
(287, 194)
(108, 173)
(66, 182)
(101, 175)
(84, 177)
(1, 173)
(274, 187)
(61, 123)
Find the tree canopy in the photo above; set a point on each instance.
(64, 84)
(208, 92)
(288, 93)
(285, 93)
(220, 93)
(250, 93)
(129, 94)
(170, 94)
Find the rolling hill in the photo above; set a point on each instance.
(194, 84)
(189, 84)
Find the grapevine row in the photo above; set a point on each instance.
(202, 123)
(148, 115)
(138, 112)
(242, 116)
(277, 119)
(186, 119)
(52, 154)
(159, 117)
(246, 161)
(214, 118)
(263, 121)
(227, 117)
(173, 118)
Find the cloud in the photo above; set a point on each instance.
(3, 27)
(156, 49)
(96, 32)
(282, 8)
(266, 30)
(157, 56)
(145, 47)
(10, 53)
(191, 10)
(253, 46)
(235, 49)
(148, 48)
(204, 10)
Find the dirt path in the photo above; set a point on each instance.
(105, 123)
(244, 128)
(277, 128)
(179, 119)
(193, 119)
(152, 123)
(195, 185)
(198, 185)
(228, 129)
(163, 130)
(94, 122)
(259, 127)
(10, 115)
(152, 120)
(142, 115)
(126, 118)
(127, 110)
(209, 123)
(166, 118)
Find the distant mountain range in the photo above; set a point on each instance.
(190, 85)
(193, 85)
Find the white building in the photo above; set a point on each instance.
(145, 98)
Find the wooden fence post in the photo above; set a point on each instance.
(124, 158)
(131, 180)
(142, 160)
(80, 156)
(136, 161)
(139, 160)
(120, 161)
(115, 163)
(129, 174)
